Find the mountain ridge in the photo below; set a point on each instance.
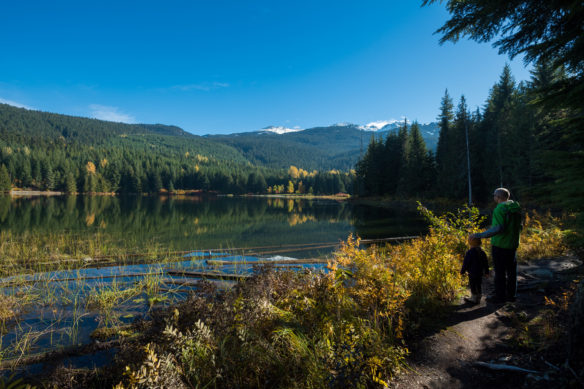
(318, 148)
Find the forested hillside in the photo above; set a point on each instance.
(335, 147)
(48, 151)
(332, 147)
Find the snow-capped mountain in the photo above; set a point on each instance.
(382, 125)
(280, 129)
(337, 146)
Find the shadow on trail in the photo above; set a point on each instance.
(445, 357)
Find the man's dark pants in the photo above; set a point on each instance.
(505, 272)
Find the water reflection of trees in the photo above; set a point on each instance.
(209, 222)
(376, 222)
(184, 221)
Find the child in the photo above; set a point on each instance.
(475, 264)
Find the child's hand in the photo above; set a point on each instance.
(488, 275)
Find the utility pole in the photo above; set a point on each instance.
(468, 160)
(358, 179)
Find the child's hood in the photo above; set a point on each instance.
(511, 206)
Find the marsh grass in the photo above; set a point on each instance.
(12, 382)
(62, 306)
(31, 253)
(8, 310)
(24, 254)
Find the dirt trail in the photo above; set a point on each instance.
(445, 358)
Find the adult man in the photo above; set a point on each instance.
(504, 234)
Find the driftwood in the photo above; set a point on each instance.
(496, 366)
(267, 262)
(66, 352)
(394, 239)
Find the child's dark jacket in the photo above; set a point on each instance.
(475, 263)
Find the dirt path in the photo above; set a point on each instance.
(445, 358)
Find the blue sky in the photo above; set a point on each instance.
(231, 66)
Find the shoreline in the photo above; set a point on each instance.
(32, 193)
(295, 196)
(16, 193)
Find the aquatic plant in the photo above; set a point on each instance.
(8, 310)
(12, 382)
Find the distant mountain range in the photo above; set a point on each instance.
(321, 148)
(333, 147)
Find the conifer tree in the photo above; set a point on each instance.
(48, 176)
(393, 152)
(547, 32)
(402, 152)
(443, 152)
(70, 185)
(496, 127)
(459, 157)
(5, 182)
(417, 168)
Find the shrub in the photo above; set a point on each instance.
(542, 236)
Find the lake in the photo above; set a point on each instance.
(203, 223)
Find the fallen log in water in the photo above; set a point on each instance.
(394, 239)
(66, 352)
(210, 275)
(268, 262)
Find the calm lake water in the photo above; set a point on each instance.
(203, 223)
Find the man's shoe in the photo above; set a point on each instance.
(511, 299)
(495, 300)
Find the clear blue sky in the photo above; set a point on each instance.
(231, 66)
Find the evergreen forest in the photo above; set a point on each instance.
(46, 151)
(514, 141)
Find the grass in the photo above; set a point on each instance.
(62, 306)
(30, 253)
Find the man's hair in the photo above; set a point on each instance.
(502, 193)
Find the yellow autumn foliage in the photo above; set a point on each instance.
(90, 167)
(542, 236)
